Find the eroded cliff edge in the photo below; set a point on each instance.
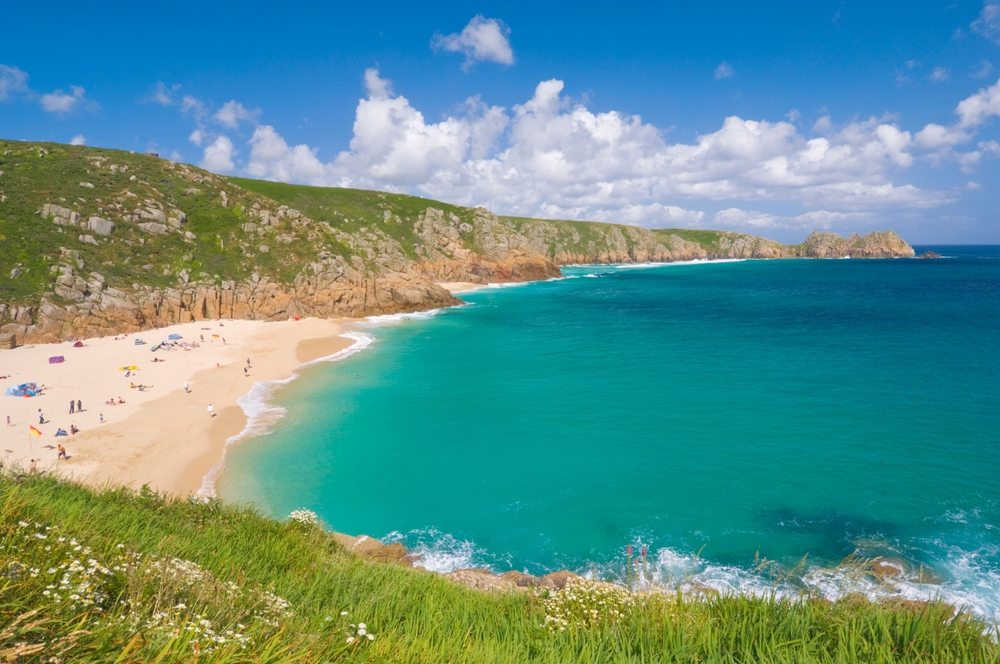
(97, 242)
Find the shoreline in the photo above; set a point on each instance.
(162, 436)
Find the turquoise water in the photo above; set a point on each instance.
(771, 408)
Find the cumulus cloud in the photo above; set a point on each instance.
(12, 81)
(78, 140)
(939, 75)
(988, 23)
(197, 137)
(218, 156)
(62, 103)
(482, 40)
(551, 157)
(724, 70)
(233, 113)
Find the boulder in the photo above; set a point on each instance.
(8, 341)
(930, 254)
(561, 578)
(61, 215)
(88, 185)
(101, 226)
(154, 228)
(88, 239)
(15, 273)
(524, 580)
(154, 214)
(481, 579)
(178, 220)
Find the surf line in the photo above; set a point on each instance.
(261, 414)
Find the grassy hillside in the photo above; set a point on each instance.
(116, 576)
(222, 237)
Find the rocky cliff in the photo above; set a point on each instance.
(97, 242)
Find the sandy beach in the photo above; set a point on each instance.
(163, 435)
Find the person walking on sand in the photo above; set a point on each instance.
(33, 468)
(102, 418)
(246, 372)
(187, 390)
(41, 418)
(211, 410)
(8, 421)
(72, 406)
(79, 405)
(62, 452)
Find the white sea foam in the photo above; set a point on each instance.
(442, 552)
(262, 414)
(390, 319)
(971, 583)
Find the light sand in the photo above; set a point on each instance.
(458, 286)
(162, 436)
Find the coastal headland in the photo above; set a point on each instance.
(104, 242)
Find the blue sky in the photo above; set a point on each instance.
(776, 119)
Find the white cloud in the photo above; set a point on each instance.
(176, 156)
(482, 40)
(724, 70)
(912, 64)
(78, 140)
(60, 102)
(982, 70)
(193, 106)
(377, 87)
(816, 219)
(12, 80)
(197, 137)
(793, 115)
(940, 75)
(979, 107)
(988, 23)
(218, 156)
(163, 94)
(990, 147)
(823, 126)
(551, 157)
(233, 112)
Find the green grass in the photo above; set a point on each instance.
(362, 227)
(150, 545)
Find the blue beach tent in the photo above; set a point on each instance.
(174, 337)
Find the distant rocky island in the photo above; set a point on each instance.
(100, 242)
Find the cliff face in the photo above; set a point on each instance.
(102, 242)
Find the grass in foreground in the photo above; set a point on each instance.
(120, 576)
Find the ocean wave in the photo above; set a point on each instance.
(389, 319)
(262, 414)
(970, 581)
(442, 552)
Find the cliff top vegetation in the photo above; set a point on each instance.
(116, 575)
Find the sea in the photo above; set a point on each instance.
(757, 426)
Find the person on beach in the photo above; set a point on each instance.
(211, 410)
(41, 418)
(102, 418)
(248, 361)
(73, 430)
(62, 452)
(246, 372)
(8, 421)
(79, 405)
(72, 406)
(33, 468)
(186, 389)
